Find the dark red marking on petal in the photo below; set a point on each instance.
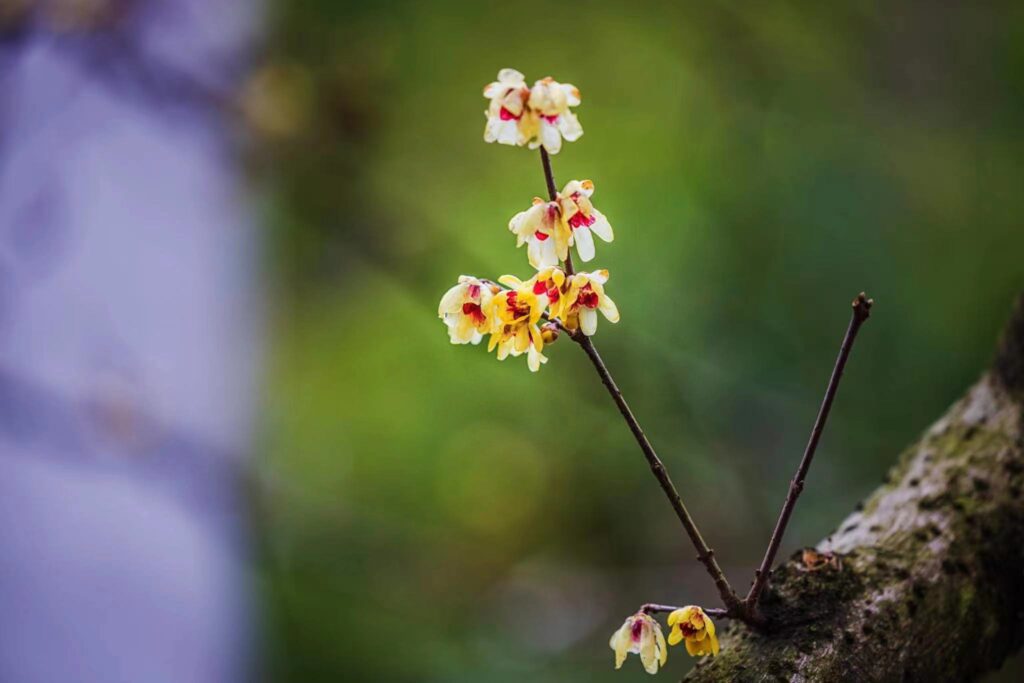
(636, 630)
(474, 312)
(587, 297)
(506, 115)
(579, 220)
(551, 119)
(540, 287)
(541, 236)
(473, 291)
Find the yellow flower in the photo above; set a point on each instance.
(580, 303)
(514, 315)
(695, 627)
(640, 634)
(536, 227)
(580, 217)
(569, 220)
(509, 120)
(547, 284)
(464, 309)
(550, 101)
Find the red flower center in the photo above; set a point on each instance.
(578, 220)
(688, 630)
(587, 297)
(474, 312)
(638, 628)
(541, 236)
(517, 309)
(473, 291)
(551, 119)
(547, 287)
(506, 115)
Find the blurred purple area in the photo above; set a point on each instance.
(129, 340)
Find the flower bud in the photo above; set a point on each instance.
(549, 332)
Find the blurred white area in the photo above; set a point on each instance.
(129, 328)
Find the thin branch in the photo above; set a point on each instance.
(654, 608)
(705, 554)
(861, 312)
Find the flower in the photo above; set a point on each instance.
(547, 284)
(584, 295)
(535, 227)
(550, 101)
(640, 634)
(691, 624)
(569, 219)
(514, 315)
(464, 309)
(509, 120)
(582, 218)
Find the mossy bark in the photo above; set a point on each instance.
(930, 584)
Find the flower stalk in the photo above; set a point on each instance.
(861, 312)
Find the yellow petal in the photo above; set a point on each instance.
(662, 647)
(675, 636)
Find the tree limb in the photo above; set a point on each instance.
(929, 584)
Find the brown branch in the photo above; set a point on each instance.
(705, 554)
(861, 312)
(654, 608)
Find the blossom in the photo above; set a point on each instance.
(547, 284)
(536, 227)
(695, 627)
(584, 296)
(640, 634)
(514, 315)
(550, 101)
(569, 220)
(509, 120)
(464, 309)
(581, 217)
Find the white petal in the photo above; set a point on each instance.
(601, 226)
(588, 320)
(584, 243)
(610, 310)
(511, 77)
(570, 126)
(542, 254)
(508, 132)
(572, 93)
(451, 302)
(551, 138)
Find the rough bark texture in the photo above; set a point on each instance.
(930, 585)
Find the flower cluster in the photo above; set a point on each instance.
(520, 115)
(641, 634)
(512, 315)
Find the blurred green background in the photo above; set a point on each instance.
(427, 513)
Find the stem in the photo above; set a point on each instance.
(654, 608)
(861, 312)
(705, 554)
(545, 160)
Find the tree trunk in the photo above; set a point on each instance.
(929, 583)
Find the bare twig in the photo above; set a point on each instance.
(861, 312)
(654, 608)
(704, 554)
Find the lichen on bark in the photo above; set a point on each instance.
(929, 584)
